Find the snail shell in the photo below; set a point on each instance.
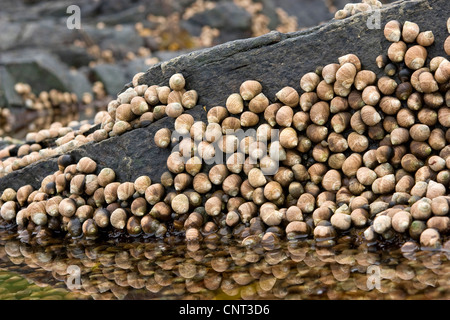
(138, 106)
(180, 204)
(415, 57)
(384, 184)
(259, 103)
(329, 72)
(425, 38)
(364, 78)
(177, 82)
(284, 116)
(250, 89)
(235, 103)
(332, 180)
(410, 31)
(270, 214)
(86, 165)
(309, 81)
(174, 109)
(217, 114)
(397, 51)
(183, 124)
(346, 74)
(393, 31)
(352, 58)
(189, 99)
(288, 96)
(125, 191)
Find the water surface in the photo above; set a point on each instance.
(60, 269)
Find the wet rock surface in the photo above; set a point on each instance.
(171, 270)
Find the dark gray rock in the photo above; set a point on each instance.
(46, 33)
(269, 10)
(232, 21)
(8, 96)
(225, 15)
(79, 83)
(134, 66)
(168, 55)
(40, 69)
(309, 13)
(112, 76)
(10, 34)
(120, 41)
(129, 15)
(73, 56)
(113, 6)
(53, 8)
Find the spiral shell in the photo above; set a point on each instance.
(425, 38)
(309, 81)
(410, 31)
(364, 78)
(288, 96)
(235, 103)
(393, 31)
(163, 137)
(270, 214)
(384, 184)
(397, 51)
(189, 99)
(259, 103)
(177, 82)
(332, 180)
(346, 74)
(415, 57)
(352, 58)
(86, 165)
(329, 72)
(217, 114)
(174, 109)
(250, 89)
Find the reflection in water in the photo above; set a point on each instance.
(163, 270)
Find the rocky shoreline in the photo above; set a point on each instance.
(360, 149)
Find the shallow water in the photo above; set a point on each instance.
(82, 269)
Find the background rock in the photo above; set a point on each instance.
(111, 75)
(233, 22)
(40, 69)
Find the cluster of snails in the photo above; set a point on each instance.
(42, 107)
(57, 114)
(44, 100)
(417, 116)
(351, 152)
(46, 143)
(351, 9)
(141, 104)
(76, 201)
(137, 106)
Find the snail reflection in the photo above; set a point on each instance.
(217, 270)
